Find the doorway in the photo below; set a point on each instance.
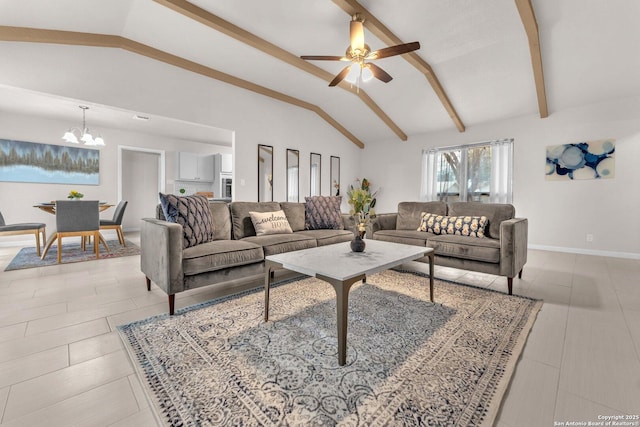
(141, 176)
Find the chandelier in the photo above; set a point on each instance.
(75, 135)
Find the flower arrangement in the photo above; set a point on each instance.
(73, 194)
(362, 202)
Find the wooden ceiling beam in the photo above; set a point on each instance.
(377, 28)
(35, 35)
(213, 21)
(525, 9)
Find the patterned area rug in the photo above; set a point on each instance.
(409, 362)
(28, 258)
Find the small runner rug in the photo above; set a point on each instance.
(71, 252)
(409, 361)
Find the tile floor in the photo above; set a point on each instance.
(62, 363)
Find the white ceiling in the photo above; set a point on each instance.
(478, 50)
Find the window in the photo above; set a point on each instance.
(477, 172)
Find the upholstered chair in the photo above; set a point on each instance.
(79, 218)
(36, 228)
(116, 222)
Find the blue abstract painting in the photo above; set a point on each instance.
(581, 160)
(22, 161)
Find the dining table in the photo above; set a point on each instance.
(50, 207)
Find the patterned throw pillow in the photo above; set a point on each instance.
(471, 226)
(323, 212)
(193, 214)
(430, 222)
(270, 223)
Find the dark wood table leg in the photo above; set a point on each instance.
(342, 311)
(432, 261)
(269, 268)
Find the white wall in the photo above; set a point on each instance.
(17, 199)
(260, 121)
(285, 126)
(140, 172)
(560, 213)
(153, 88)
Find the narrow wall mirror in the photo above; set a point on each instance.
(315, 174)
(335, 175)
(265, 173)
(293, 175)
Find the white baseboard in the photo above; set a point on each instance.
(612, 254)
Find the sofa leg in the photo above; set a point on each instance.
(148, 283)
(510, 285)
(172, 303)
(520, 274)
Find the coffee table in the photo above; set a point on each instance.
(339, 266)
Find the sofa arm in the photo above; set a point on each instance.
(513, 246)
(386, 221)
(161, 254)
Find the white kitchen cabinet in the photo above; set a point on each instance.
(195, 167)
(205, 168)
(227, 163)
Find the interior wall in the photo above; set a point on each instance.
(154, 88)
(560, 213)
(140, 173)
(264, 122)
(17, 199)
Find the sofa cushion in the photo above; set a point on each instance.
(270, 223)
(409, 213)
(193, 214)
(495, 212)
(295, 214)
(486, 250)
(241, 220)
(221, 220)
(328, 237)
(323, 212)
(470, 226)
(219, 254)
(279, 243)
(407, 237)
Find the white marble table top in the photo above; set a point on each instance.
(340, 263)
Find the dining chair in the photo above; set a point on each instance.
(36, 228)
(116, 222)
(76, 218)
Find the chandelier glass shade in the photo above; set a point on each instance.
(75, 135)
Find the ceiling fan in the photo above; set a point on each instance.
(358, 52)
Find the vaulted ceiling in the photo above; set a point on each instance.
(478, 61)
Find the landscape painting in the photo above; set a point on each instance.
(22, 161)
(581, 160)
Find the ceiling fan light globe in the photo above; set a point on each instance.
(367, 74)
(354, 73)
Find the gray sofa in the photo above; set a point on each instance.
(503, 250)
(236, 253)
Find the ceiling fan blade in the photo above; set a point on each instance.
(356, 30)
(323, 58)
(379, 73)
(340, 77)
(398, 49)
